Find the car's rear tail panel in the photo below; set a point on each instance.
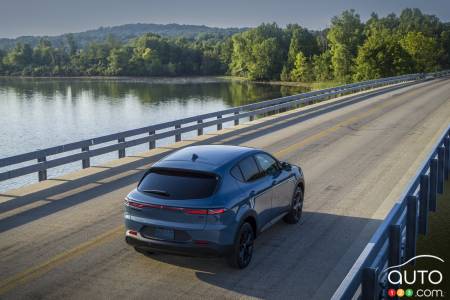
(181, 214)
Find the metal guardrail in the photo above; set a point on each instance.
(394, 242)
(175, 128)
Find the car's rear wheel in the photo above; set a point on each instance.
(295, 213)
(242, 252)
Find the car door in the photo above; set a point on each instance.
(259, 188)
(282, 183)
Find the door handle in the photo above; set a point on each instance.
(252, 193)
(274, 182)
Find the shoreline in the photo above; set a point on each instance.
(183, 79)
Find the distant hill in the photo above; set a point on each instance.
(125, 33)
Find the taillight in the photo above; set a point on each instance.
(191, 211)
(216, 211)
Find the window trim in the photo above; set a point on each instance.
(240, 171)
(276, 161)
(252, 155)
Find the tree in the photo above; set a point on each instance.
(2, 67)
(342, 62)
(44, 54)
(322, 66)
(302, 70)
(19, 60)
(259, 53)
(381, 55)
(118, 60)
(445, 45)
(413, 20)
(425, 51)
(71, 44)
(345, 35)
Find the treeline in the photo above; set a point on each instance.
(148, 55)
(349, 50)
(124, 33)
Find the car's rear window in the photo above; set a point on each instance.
(177, 184)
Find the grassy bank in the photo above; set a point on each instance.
(436, 242)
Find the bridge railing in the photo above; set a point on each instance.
(122, 140)
(394, 242)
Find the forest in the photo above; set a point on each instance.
(349, 50)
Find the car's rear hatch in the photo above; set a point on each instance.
(173, 198)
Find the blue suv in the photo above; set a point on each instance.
(212, 200)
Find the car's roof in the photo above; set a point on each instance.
(204, 157)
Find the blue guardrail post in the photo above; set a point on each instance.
(411, 226)
(369, 284)
(424, 194)
(441, 164)
(394, 246)
(447, 157)
(433, 183)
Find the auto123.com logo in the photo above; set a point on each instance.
(404, 281)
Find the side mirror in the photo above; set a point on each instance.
(286, 166)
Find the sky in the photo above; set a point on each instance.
(53, 17)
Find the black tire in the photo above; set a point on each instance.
(295, 214)
(142, 251)
(242, 252)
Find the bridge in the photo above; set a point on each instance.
(359, 147)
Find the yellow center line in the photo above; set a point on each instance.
(82, 248)
(315, 137)
(57, 260)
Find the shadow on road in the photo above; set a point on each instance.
(290, 261)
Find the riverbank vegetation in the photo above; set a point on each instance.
(349, 50)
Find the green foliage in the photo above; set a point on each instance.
(348, 50)
(302, 70)
(345, 35)
(425, 51)
(322, 66)
(381, 55)
(259, 53)
(413, 20)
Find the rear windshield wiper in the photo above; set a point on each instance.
(158, 192)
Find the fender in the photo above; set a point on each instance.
(245, 211)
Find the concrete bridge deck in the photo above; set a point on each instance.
(63, 238)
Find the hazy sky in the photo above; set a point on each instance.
(50, 17)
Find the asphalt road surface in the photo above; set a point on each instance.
(63, 238)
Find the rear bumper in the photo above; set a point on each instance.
(188, 248)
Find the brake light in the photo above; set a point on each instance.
(140, 205)
(190, 211)
(216, 211)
